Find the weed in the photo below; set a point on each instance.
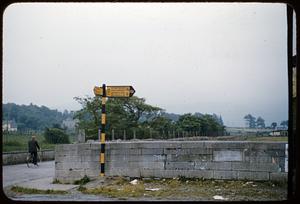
(82, 181)
(56, 181)
(19, 189)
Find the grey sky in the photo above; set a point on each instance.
(228, 59)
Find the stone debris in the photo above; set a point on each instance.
(217, 197)
(134, 182)
(152, 189)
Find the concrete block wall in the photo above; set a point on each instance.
(10, 158)
(168, 159)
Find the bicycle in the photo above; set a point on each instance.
(29, 159)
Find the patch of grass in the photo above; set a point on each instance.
(19, 189)
(19, 142)
(82, 188)
(82, 181)
(56, 181)
(190, 189)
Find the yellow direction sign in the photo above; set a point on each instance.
(98, 91)
(119, 91)
(115, 91)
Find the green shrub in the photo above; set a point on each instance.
(82, 181)
(12, 143)
(56, 136)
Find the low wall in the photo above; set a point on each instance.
(9, 158)
(168, 159)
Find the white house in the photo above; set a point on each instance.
(9, 125)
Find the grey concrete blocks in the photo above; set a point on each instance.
(253, 175)
(228, 155)
(180, 165)
(152, 151)
(225, 175)
(201, 159)
(283, 177)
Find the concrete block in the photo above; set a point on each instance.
(180, 165)
(160, 144)
(260, 159)
(188, 157)
(192, 144)
(146, 165)
(123, 172)
(120, 158)
(227, 155)
(201, 151)
(177, 151)
(151, 158)
(279, 176)
(125, 151)
(115, 164)
(152, 151)
(225, 174)
(226, 145)
(250, 175)
(267, 145)
(213, 165)
(208, 174)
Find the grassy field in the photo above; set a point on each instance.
(19, 142)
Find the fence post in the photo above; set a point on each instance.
(134, 136)
(112, 134)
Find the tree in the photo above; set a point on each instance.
(284, 123)
(206, 124)
(189, 122)
(32, 116)
(274, 125)
(250, 121)
(121, 114)
(56, 136)
(260, 123)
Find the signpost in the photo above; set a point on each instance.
(115, 91)
(108, 91)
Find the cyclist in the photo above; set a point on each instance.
(32, 148)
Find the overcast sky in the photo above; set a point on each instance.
(228, 59)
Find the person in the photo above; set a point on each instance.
(32, 149)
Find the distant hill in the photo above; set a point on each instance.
(32, 116)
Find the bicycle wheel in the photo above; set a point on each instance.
(29, 161)
(38, 159)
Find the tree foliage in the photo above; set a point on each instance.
(121, 114)
(134, 115)
(250, 120)
(56, 136)
(32, 116)
(273, 125)
(260, 122)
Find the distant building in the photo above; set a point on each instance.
(9, 125)
(281, 133)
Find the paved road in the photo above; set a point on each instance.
(41, 177)
(14, 174)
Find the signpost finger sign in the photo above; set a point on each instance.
(108, 91)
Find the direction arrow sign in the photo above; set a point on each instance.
(98, 91)
(115, 91)
(120, 91)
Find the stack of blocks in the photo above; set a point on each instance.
(167, 159)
